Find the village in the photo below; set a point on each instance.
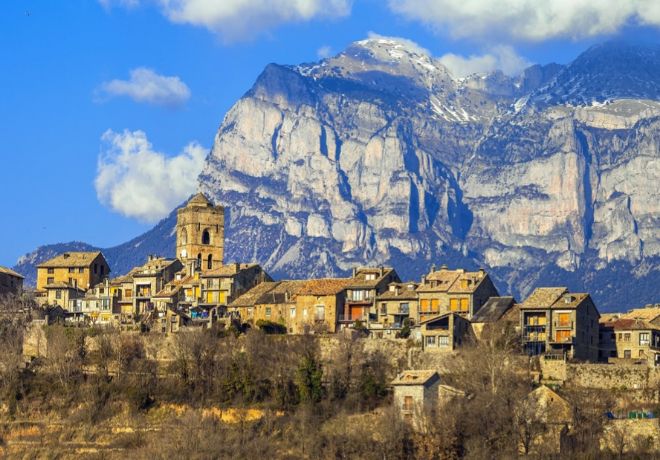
(448, 309)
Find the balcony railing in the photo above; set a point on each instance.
(351, 319)
(562, 339)
(539, 337)
(563, 324)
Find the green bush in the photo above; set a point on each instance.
(271, 327)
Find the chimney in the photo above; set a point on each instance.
(443, 267)
(237, 266)
(482, 272)
(432, 268)
(354, 272)
(381, 270)
(423, 279)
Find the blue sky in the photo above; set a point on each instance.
(66, 80)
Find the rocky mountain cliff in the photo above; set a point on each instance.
(380, 156)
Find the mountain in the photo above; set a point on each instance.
(379, 155)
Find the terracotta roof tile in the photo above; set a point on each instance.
(71, 259)
(324, 286)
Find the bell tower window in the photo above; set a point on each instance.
(199, 260)
(206, 237)
(209, 262)
(184, 237)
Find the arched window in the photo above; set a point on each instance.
(199, 260)
(184, 236)
(206, 237)
(209, 262)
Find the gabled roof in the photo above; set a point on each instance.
(493, 309)
(404, 292)
(283, 292)
(324, 286)
(10, 272)
(416, 377)
(627, 324)
(153, 266)
(249, 298)
(544, 297)
(646, 313)
(360, 281)
(71, 259)
(63, 285)
(452, 281)
(199, 200)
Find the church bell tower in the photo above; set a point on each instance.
(200, 233)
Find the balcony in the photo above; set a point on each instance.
(562, 339)
(563, 324)
(352, 319)
(535, 337)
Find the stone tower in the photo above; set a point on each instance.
(200, 233)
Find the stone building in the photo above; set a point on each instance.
(630, 340)
(122, 289)
(60, 293)
(442, 333)
(222, 285)
(493, 314)
(200, 233)
(318, 305)
(416, 394)
(10, 281)
(99, 305)
(243, 307)
(149, 279)
(396, 304)
(80, 269)
(443, 291)
(557, 322)
(361, 293)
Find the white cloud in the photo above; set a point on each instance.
(502, 58)
(324, 52)
(409, 44)
(145, 85)
(244, 19)
(529, 20)
(137, 181)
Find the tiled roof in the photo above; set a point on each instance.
(71, 259)
(452, 281)
(627, 324)
(227, 270)
(647, 313)
(544, 297)
(63, 285)
(11, 272)
(324, 286)
(360, 280)
(415, 377)
(285, 291)
(404, 292)
(249, 298)
(493, 309)
(199, 200)
(173, 287)
(154, 265)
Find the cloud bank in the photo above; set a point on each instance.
(502, 58)
(235, 20)
(137, 181)
(528, 20)
(146, 86)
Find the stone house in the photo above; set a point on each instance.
(554, 415)
(492, 314)
(396, 304)
(150, 279)
(442, 333)
(222, 285)
(442, 291)
(122, 289)
(631, 340)
(366, 284)
(276, 305)
(243, 307)
(170, 321)
(79, 269)
(97, 306)
(200, 233)
(416, 394)
(10, 281)
(319, 303)
(557, 322)
(60, 293)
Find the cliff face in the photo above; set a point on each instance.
(379, 155)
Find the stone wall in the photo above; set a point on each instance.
(601, 376)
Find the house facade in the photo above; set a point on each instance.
(557, 322)
(367, 283)
(397, 304)
(149, 279)
(416, 395)
(443, 333)
(80, 269)
(10, 281)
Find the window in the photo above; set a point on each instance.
(383, 308)
(320, 313)
(358, 295)
(443, 341)
(430, 340)
(183, 237)
(72, 270)
(51, 271)
(453, 304)
(424, 305)
(563, 336)
(370, 276)
(644, 338)
(50, 280)
(404, 308)
(206, 237)
(626, 354)
(58, 294)
(199, 260)
(465, 304)
(268, 312)
(292, 312)
(435, 305)
(81, 270)
(408, 403)
(209, 262)
(70, 281)
(129, 293)
(626, 337)
(564, 319)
